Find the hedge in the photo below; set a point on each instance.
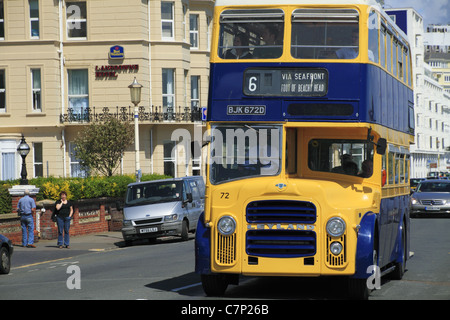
(76, 188)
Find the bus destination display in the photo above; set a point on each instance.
(286, 82)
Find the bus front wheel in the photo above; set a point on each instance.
(214, 284)
(358, 289)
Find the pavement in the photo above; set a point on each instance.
(47, 250)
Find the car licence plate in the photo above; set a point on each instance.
(148, 230)
(432, 208)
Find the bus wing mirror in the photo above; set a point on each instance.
(207, 140)
(381, 146)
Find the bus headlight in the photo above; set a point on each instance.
(226, 225)
(336, 248)
(336, 227)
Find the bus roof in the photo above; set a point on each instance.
(283, 2)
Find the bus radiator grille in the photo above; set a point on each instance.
(280, 211)
(226, 249)
(281, 243)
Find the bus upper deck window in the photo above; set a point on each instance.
(251, 34)
(374, 28)
(325, 34)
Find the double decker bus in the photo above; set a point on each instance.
(310, 117)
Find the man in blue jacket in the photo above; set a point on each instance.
(26, 207)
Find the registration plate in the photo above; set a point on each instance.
(246, 110)
(432, 208)
(148, 230)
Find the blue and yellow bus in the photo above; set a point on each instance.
(310, 117)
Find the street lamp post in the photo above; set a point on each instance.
(23, 150)
(135, 93)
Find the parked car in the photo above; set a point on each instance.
(163, 207)
(6, 251)
(432, 197)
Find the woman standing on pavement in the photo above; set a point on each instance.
(64, 212)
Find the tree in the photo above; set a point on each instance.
(100, 145)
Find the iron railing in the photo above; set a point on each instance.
(146, 114)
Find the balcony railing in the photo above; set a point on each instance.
(146, 114)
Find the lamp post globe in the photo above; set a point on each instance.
(135, 92)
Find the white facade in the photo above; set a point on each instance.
(437, 38)
(432, 108)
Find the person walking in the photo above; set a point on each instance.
(64, 212)
(26, 207)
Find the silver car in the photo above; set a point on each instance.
(432, 197)
(162, 208)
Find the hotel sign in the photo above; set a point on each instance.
(112, 70)
(116, 52)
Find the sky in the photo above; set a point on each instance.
(432, 11)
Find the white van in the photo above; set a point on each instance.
(162, 207)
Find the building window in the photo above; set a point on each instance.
(8, 165)
(208, 32)
(195, 94)
(193, 30)
(169, 160)
(2, 92)
(2, 21)
(36, 89)
(167, 20)
(8, 151)
(78, 92)
(38, 163)
(76, 170)
(168, 89)
(34, 18)
(76, 17)
(184, 21)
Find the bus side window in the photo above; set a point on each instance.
(397, 168)
(383, 46)
(408, 63)
(391, 168)
(389, 51)
(394, 55)
(405, 64)
(374, 27)
(402, 167)
(400, 62)
(407, 163)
